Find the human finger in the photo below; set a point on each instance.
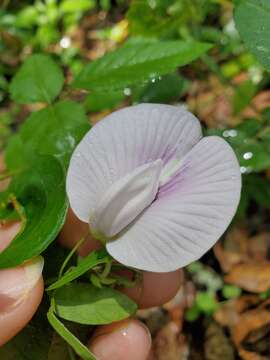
(121, 340)
(154, 289)
(21, 289)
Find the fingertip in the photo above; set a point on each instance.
(73, 231)
(118, 340)
(14, 317)
(156, 288)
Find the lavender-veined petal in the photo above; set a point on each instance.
(123, 141)
(190, 214)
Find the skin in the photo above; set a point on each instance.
(112, 341)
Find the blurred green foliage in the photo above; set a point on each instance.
(39, 24)
(144, 43)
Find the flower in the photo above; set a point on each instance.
(151, 188)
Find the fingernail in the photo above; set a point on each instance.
(117, 340)
(17, 283)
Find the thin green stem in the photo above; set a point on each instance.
(107, 270)
(71, 339)
(76, 247)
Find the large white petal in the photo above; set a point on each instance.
(189, 215)
(123, 141)
(126, 199)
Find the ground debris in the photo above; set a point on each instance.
(217, 346)
(251, 276)
(170, 344)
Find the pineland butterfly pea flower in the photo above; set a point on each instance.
(151, 188)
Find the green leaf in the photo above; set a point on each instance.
(252, 153)
(27, 17)
(38, 80)
(195, 267)
(41, 192)
(252, 18)
(55, 130)
(206, 302)
(97, 101)
(15, 153)
(162, 89)
(70, 6)
(137, 62)
(265, 295)
(258, 188)
(162, 18)
(253, 156)
(266, 115)
(93, 259)
(243, 96)
(231, 291)
(86, 304)
(192, 313)
(74, 342)
(248, 128)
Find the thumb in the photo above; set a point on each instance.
(21, 290)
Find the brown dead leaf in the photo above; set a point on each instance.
(258, 246)
(234, 249)
(154, 318)
(252, 334)
(248, 320)
(211, 100)
(229, 313)
(183, 299)
(247, 355)
(238, 247)
(253, 277)
(96, 117)
(262, 100)
(170, 344)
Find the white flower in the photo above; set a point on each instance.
(157, 194)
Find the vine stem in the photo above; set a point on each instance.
(76, 247)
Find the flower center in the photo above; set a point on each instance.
(169, 171)
(125, 200)
(129, 196)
